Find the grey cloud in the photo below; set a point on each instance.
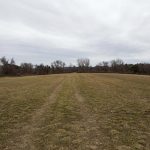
(44, 30)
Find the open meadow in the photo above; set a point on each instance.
(75, 112)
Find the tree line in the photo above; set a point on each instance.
(9, 67)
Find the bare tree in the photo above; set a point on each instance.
(117, 62)
(1, 71)
(83, 62)
(57, 66)
(102, 66)
(41, 69)
(4, 65)
(4, 61)
(105, 63)
(26, 68)
(12, 62)
(117, 65)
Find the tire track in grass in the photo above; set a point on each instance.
(26, 139)
(93, 136)
(62, 123)
(72, 125)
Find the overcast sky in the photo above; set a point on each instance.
(45, 30)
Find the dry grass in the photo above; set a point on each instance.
(75, 111)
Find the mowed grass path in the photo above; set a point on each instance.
(75, 112)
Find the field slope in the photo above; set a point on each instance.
(75, 112)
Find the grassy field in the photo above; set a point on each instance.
(75, 112)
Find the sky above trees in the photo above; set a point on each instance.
(46, 30)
